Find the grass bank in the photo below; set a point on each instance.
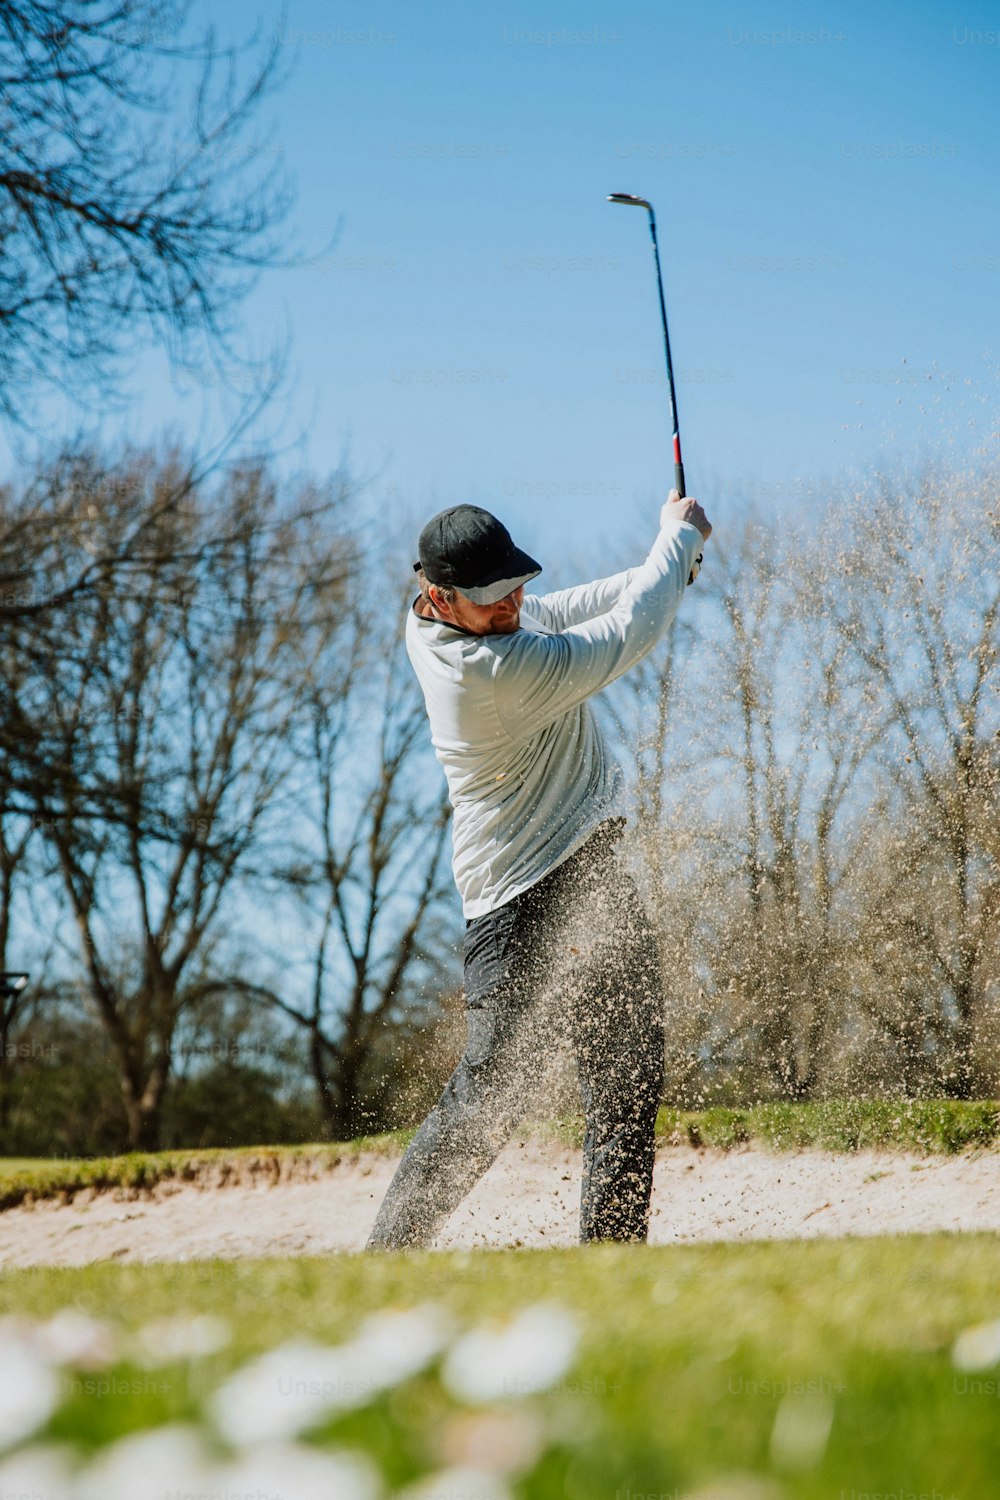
(26, 1179)
(920, 1126)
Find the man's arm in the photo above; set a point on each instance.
(565, 607)
(542, 677)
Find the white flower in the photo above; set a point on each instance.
(295, 1470)
(29, 1386)
(801, 1430)
(978, 1347)
(295, 1386)
(458, 1484)
(71, 1337)
(173, 1460)
(37, 1471)
(392, 1346)
(167, 1339)
(529, 1355)
(282, 1393)
(147, 1466)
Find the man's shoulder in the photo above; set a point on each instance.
(429, 637)
(426, 636)
(529, 652)
(531, 640)
(531, 623)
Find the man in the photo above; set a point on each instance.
(558, 951)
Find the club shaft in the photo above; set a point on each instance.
(671, 390)
(632, 200)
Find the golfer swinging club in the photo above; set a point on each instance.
(558, 950)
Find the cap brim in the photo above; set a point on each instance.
(518, 569)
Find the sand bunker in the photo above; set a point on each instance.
(530, 1197)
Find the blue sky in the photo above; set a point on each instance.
(486, 328)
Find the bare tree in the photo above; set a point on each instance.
(749, 777)
(15, 838)
(844, 862)
(796, 761)
(371, 869)
(919, 609)
(162, 708)
(17, 845)
(132, 209)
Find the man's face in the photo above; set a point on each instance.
(502, 618)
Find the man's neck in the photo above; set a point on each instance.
(425, 609)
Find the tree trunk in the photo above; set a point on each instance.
(352, 1124)
(4, 1086)
(325, 1093)
(143, 1123)
(144, 1106)
(345, 1116)
(963, 1080)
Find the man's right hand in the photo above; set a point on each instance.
(687, 509)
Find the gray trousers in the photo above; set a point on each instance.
(572, 962)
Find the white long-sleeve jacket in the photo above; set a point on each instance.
(529, 773)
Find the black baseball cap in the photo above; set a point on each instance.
(466, 548)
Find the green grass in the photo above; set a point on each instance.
(922, 1126)
(687, 1355)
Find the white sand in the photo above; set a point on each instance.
(530, 1197)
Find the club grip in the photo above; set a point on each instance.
(679, 487)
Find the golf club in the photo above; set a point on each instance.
(630, 200)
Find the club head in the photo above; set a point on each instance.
(630, 200)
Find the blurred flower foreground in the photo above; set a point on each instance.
(412, 1406)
